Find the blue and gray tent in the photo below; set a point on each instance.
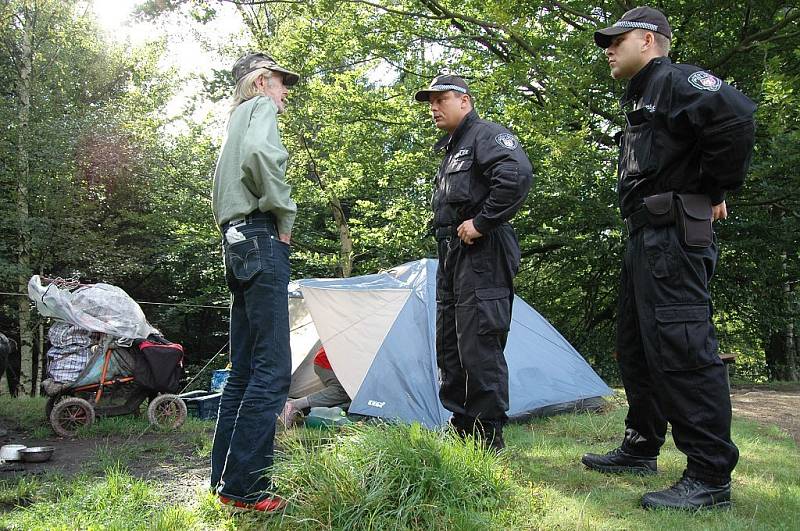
(379, 334)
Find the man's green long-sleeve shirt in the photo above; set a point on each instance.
(251, 170)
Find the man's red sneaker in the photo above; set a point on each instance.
(267, 505)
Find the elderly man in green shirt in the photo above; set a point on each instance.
(253, 209)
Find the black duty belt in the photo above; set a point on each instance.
(636, 221)
(443, 233)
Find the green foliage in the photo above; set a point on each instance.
(117, 198)
(122, 199)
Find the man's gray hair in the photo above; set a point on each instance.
(246, 87)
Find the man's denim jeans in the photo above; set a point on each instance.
(257, 273)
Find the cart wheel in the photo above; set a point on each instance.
(167, 411)
(70, 414)
(51, 402)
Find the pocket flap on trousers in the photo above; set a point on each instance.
(660, 204)
(489, 294)
(696, 206)
(681, 313)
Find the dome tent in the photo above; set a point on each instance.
(379, 333)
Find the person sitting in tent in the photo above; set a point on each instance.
(332, 395)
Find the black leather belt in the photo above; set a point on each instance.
(250, 218)
(636, 221)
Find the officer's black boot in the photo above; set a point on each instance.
(458, 424)
(490, 435)
(497, 443)
(689, 494)
(617, 461)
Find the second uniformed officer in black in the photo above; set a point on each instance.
(483, 179)
(688, 141)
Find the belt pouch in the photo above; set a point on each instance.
(660, 211)
(694, 220)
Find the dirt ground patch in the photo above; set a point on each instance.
(779, 406)
(164, 458)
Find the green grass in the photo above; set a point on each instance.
(23, 413)
(383, 477)
(766, 483)
(116, 501)
(405, 477)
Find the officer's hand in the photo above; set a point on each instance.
(467, 232)
(719, 211)
(285, 238)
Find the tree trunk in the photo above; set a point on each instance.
(790, 369)
(345, 241)
(781, 347)
(775, 354)
(23, 93)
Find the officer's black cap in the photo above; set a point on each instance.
(443, 83)
(253, 61)
(644, 17)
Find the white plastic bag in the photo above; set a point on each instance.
(99, 308)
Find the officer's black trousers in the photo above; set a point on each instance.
(667, 354)
(474, 295)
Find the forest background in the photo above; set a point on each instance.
(98, 182)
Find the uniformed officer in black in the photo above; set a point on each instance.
(688, 141)
(482, 181)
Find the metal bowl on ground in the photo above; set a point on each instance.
(37, 454)
(10, 452)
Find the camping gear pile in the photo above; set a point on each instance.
(105, 358)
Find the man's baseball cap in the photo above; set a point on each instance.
(645, 18)
(443, 83)
(254, 61)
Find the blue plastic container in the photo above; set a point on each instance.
(218, 379)
(202, 404)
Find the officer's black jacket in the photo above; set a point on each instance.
(485, 176)
(687, 132)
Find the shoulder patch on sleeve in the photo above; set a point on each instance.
(705, 81)
(506, 140)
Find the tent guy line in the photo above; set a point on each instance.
(147, 302)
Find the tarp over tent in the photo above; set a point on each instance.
(379, 333)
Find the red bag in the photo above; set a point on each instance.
(159, 364)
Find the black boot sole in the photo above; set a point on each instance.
(610, 469)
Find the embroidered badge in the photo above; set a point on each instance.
(705, 81)
(463, 152)
(506, 140)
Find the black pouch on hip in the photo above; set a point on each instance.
(694, 220)
(660, 209)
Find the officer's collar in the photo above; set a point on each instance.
(450, 140)
(637, 82)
